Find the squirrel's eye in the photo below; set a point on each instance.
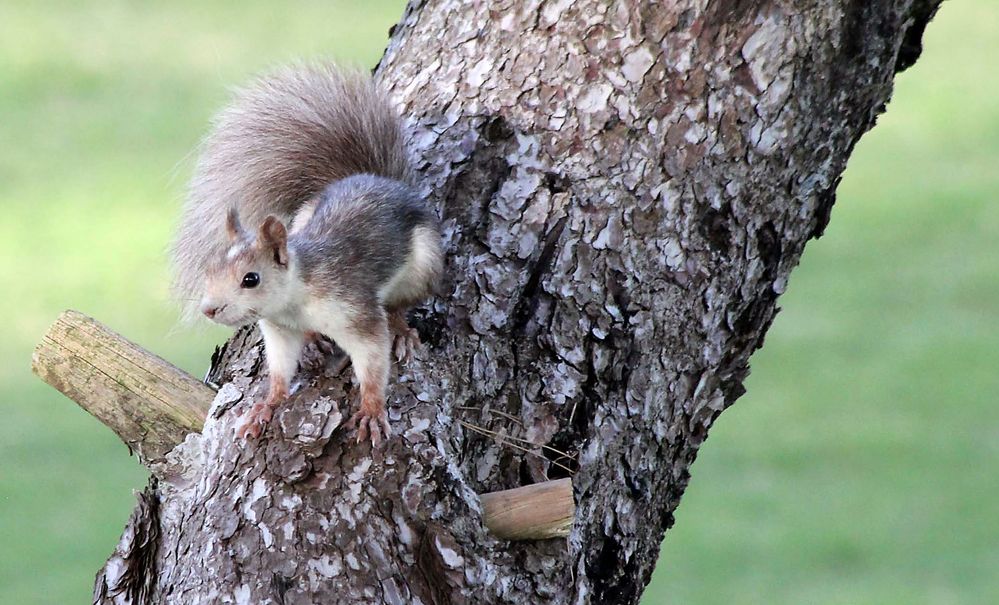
(250, 280)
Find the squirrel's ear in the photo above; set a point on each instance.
(232, 225)
(274, 236)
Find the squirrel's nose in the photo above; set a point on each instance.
(210, 312)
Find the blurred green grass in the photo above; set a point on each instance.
(859, 468)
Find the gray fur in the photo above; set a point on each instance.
(335, 249)
(282, 140)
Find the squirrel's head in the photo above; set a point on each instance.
(253, 280)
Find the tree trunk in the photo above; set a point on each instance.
(625, 187)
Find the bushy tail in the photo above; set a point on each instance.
(282, 140)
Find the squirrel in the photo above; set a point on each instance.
(339, 242)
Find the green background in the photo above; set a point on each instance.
(861, 467)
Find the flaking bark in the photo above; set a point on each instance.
(625, 188)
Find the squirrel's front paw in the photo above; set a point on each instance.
(254, 421)
(371, 420)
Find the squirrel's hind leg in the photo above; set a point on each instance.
(282, 348)
(318, 351)
(404, 338)
(323, 345)
(412, 283)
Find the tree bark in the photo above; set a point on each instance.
(625, 187)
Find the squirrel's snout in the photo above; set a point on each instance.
(211, 311)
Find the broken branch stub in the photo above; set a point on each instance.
(151, 404)
(534, 512)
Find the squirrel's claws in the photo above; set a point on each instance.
(317, 351)
(399, 350)
(405, 339)
(371, 422)
(404, 345)
(320, 342)
(254, 421)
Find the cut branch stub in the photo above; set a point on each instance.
(151, 404)
(534, 512)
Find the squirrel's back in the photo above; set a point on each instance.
(281, 141)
